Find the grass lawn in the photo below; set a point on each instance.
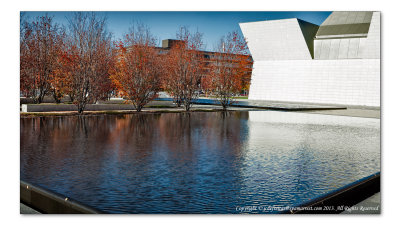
(241, 97)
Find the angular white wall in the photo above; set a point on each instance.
(351, 48)
(343, 48)
(373, 41)
(347, 72)
(276, 40)
(348, 82)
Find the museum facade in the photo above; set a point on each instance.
(337, 62)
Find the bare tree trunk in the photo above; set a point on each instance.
(57, 97)
(187, 107)
(38, 98)
(81, 107)
(188, 104)
(178, 100)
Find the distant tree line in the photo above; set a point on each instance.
(82, 62)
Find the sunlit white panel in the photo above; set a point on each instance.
(326, 45)
(334, 49)
(343, 48)
(276, 40)
(353, 48)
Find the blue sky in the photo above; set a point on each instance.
(164, 25)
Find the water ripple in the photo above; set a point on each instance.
(198, 162)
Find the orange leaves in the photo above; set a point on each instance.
(184, 68)
(87, 66)
(88, 58)
(40, 45)
(231, 68)
(138, 69)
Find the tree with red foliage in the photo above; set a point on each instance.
(103, 85)
(63, 76)
(88, 57)
(40, 45)
(185, 67)
(230, 70)
(58, 82)
(138, 69)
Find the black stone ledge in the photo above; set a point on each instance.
(276, 106)
(338, 200)
(48, 202)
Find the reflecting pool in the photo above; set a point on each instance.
(199, 162)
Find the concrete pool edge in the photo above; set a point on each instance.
(339, 200)
(45, 201)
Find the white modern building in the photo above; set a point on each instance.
(335, 63)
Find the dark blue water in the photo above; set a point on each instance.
(201, 162)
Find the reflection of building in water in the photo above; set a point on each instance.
(335, 63)
(309, 150)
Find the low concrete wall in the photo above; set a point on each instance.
(71, 107)
(46, 201)
(49, 99)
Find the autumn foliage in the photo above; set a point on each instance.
(185, 68)
(138, 71)
(90, 56)
(74, 63)
(230, 70)
(41, 43)
(82, 62)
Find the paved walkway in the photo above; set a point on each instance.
(288, 105)
(371, 205)
(24, 209)
(366, 112)
(355, 112)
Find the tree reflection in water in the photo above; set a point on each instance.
(180, 159)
